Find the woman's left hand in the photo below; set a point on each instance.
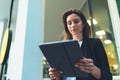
(87, 65)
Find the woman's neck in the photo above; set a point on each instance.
(78, 37)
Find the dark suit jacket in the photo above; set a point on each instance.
(93, 48)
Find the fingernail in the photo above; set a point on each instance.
(61, 72)
(76, 65)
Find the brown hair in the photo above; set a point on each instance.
(86, 29)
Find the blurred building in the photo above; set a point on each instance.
(38, 21)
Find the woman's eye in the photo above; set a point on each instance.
(76, 21)
(69, 23)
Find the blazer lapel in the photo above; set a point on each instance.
(85, 49)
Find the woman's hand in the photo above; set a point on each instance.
(54, 73)
(87, 65)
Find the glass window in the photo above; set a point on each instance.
(6, 10)
(118, 5)
(100, 22)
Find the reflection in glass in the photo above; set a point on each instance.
(103, 30)
(5, 16)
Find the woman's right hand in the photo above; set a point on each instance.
(54, 73)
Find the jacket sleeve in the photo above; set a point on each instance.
(102, 61)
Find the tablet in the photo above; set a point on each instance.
(63, 55)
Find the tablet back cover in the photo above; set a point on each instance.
(63, 55)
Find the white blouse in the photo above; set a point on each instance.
(80, 43)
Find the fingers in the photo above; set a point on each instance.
(54, 73)
(86, 60)
(85, 65)
(52, 69)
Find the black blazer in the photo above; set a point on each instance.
(93, 48)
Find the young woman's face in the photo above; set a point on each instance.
(74, 24)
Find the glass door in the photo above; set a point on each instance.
(99, 20)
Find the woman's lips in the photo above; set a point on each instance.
(73, 29)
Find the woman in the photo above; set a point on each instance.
(95, 61)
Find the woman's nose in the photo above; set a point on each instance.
(73, 24)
